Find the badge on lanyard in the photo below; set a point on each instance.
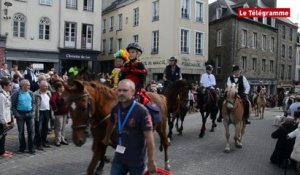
(121, 149)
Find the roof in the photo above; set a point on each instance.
(116, 4)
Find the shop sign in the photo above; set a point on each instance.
(77, 56)
(38, 66)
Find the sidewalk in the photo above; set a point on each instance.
(12, 143)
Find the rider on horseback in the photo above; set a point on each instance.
(171, 73)
(121, 58)
(208, 81)
(243, 90)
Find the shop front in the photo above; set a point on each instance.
(78, 58)
(270, 85)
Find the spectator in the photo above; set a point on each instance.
(42, 112)
(296, 149)
(23, 109)
(284, 146)
(65, 76)
(15, 84)
(29, 75)
(293, 107)
(6, 121)
(191, 100)
(60, 113)
(135, 137)
(4, 72)
(15, 71)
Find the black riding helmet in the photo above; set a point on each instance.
(134, 46)
(209, 67)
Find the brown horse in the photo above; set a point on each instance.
(261, 103)
(233, 116)
(90, 105)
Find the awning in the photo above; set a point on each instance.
(52, 60)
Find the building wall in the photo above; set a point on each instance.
(297, 69)
(168, 25)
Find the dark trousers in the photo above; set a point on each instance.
(41, 128)
(2, 141)
(244, 97)
(21, 121)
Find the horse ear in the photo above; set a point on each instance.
(79, 85)
(66, 86)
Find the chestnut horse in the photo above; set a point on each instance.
(261, 103)
(90, 106)
(233, 114)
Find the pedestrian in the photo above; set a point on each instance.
(135, 131)
(29, 75)
(4, 72)
(15, 71)
(15, 84)
(171, 73)
(60, 112)
(6, 120)
(42, 114)
(23, 109)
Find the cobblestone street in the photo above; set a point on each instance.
(189, 155)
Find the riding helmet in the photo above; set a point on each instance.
(134, 46)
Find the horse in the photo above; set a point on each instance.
(90, 105)
(233, 114)
(177, 102)
(208, 104)
(261, 103)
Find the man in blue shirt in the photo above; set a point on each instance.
(135, 133)
(23, 109)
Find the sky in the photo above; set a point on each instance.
(294, 5)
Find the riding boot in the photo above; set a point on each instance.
(246, 112)
(220, 117)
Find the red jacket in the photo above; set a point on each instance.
(58, 105)
(135, 72)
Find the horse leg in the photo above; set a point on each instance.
(181, 125)
(227, 135)
(176, 124)
(213, 119)
(99, 151)
(237, 137)
(204, 118)
(171, 125)
(164, 141)
(263, 111)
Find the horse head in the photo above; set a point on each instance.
(79, 103)
(231, 94)
(262, 92)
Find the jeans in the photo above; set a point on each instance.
(41, 128)
(25, 118)
(119, 168)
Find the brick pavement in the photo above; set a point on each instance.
(189, 155)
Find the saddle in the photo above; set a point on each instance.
(152, 107)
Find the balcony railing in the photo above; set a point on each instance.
(86, 43)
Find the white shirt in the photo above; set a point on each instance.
(5, 105)
(245, 82)
(45, 102)
(293, 108)
(207, 80)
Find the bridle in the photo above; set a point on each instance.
(231, 101)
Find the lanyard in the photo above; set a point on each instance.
(122, 125)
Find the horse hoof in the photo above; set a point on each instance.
(201, 135)
(212, 130)
(167, 166)
(239, 145)
(226, 150)
(214, 125)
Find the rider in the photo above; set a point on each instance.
(121, 58)
(243, 89)
(208, 81)
(171, 73)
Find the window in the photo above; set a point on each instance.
(254, 62)
(155, 10)
(111, 45)
(269, 21)
(119, 43)
(219, 38)
(104, 26)
(103, 46)
(219, 65)
(290, 52)
(111, 27)
(199, 11)
(185, 9)
(244, 63)
(44, 28)
(283, 50)
(19, 25)
(271, 66)
(263, 65)
(46, 2)
(155, 42)
(136, 17)
(70, 34)
(282, 72)
(291, 34)
(254, 40)
(120, 21)
(199, 43)
(283, 32)
(218, 13)
(88, 5)
(184, 41)
(272, 45)
(136, 38)
(290, 72)
(87, 36)
(264, 42)
(71, 4)
(244, 38)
